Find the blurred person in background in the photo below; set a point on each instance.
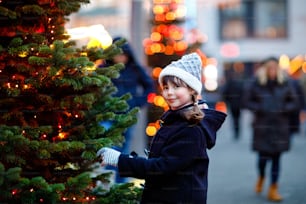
(133, 79)
(232, 92)
(271, 97)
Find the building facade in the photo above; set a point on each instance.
(248, 31)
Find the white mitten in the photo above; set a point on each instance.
(109, 156)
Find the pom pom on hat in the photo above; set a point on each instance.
(188, 69)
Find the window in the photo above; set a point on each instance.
(253, 19)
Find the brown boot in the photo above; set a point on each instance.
(273, 194)
(259, 185)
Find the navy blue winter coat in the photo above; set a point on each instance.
(271, 104)
(177, 166)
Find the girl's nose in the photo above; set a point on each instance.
(170, 90)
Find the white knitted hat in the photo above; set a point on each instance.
(188, 69)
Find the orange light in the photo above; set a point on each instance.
(295, 64)
(176, 35)
(62, 135)
(23, 54)
(160, 101)
(156, 71)
(169, 50)
(163, 29)
(170, 16)
(160, 17)
(155, 36)
(178, 1)
(158, 9)
(157, 48)
(148, 51)
(150, 97)
(180, 46)
(162, 1)
(221, 106)
(151, 130)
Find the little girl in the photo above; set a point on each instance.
(176, 169)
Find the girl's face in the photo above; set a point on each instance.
(177, 96)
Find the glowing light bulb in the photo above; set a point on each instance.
(151, 130)
(62, 135)
(23, 54)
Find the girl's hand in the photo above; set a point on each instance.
(109, 156)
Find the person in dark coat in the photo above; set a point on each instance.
(271, 97)
(176, 169)
(232, 93)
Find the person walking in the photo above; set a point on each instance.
(232, 93)
(176, 168)
(271, 97)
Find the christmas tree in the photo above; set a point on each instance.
(57, 109)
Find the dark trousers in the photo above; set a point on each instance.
(236, 112)
(263, 159)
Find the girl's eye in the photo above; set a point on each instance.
(175, 86)
(165, 88)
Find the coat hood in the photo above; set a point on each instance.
(211, 123)
(127, 49)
